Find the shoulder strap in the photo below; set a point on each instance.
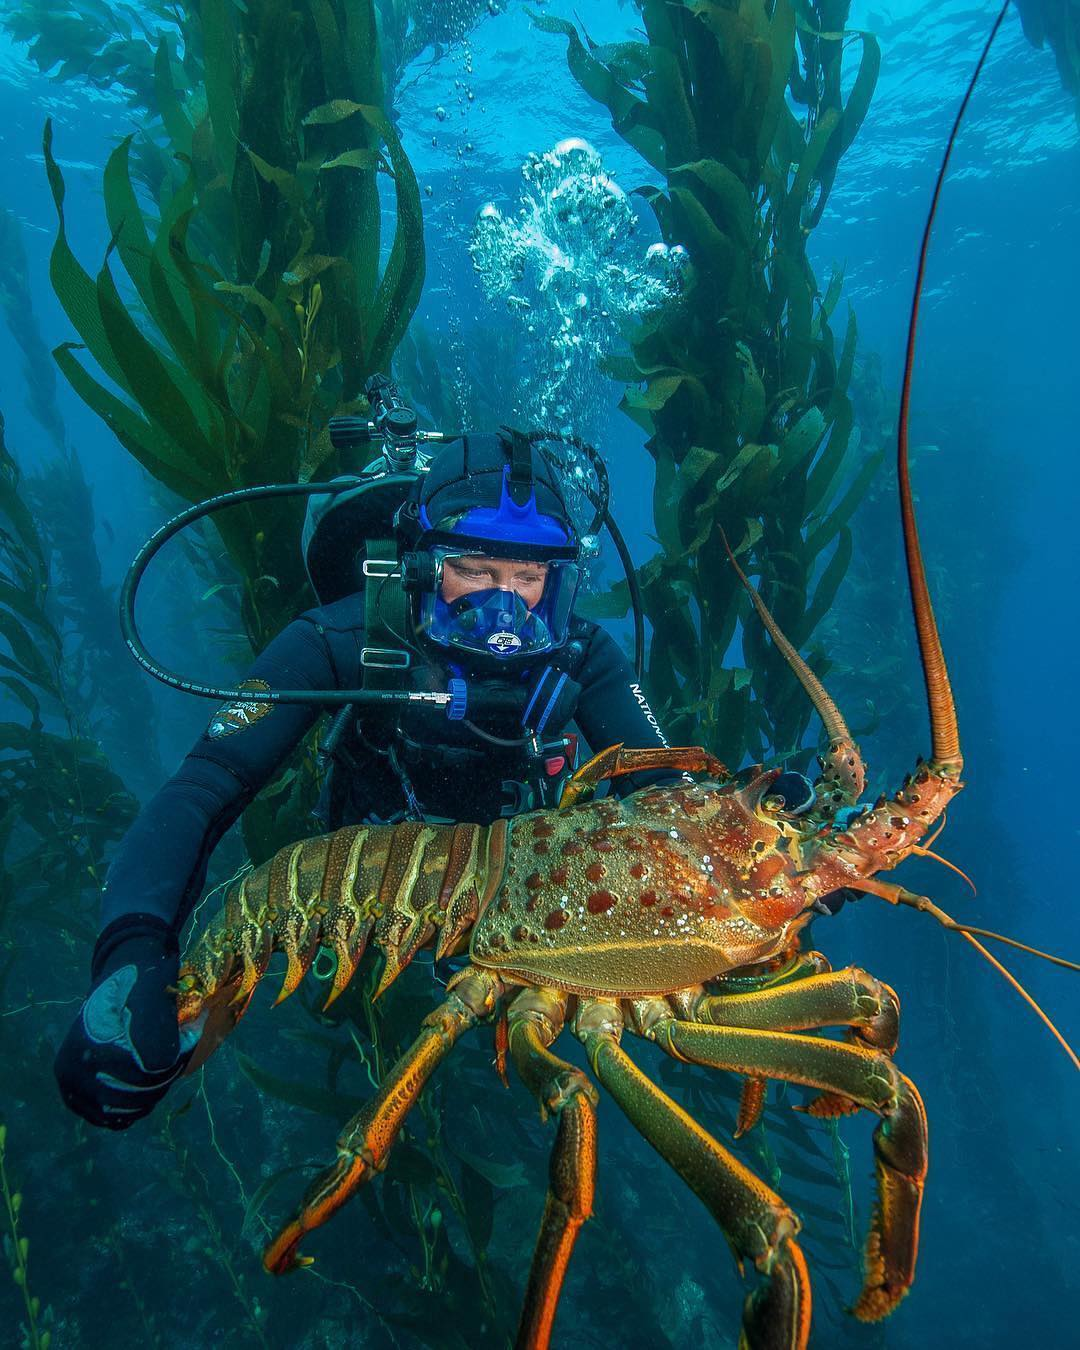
(383, 657)
(520, 478)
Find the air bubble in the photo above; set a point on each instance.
(567, 251)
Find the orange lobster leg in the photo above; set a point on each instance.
(865, 1076)
(842, 998)
(536, 1018)
(755, 1221)
(616, 761)
(364, 1144)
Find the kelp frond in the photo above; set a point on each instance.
(742, 390)
(262, 296)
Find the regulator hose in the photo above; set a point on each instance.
(135, 645)
(337, 697)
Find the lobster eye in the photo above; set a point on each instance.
(791, 793)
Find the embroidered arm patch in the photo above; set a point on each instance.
(243, 713)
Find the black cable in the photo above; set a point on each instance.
(509, 742)
(400, 637)
(135, 645)
(635, 595)
(599, 468)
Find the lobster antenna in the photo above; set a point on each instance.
(922, 851)
(897, 895)
(1023, 993)
(835, 726)
(944, 733)
(946, 920)
(926, 906)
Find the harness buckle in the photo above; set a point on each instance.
(385, 658)
(380, 568)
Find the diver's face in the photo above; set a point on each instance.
(461, 576)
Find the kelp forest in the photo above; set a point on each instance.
(266, 237)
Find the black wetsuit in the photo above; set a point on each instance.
(442, 767)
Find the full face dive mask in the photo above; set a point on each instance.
(496, 623)
(494, 502)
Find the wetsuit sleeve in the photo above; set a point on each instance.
(160, 866)
(612, 708)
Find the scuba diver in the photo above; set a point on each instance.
(454, 625)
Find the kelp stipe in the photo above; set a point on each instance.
(258, 271)
(61, 805)
(192, 1180)
(106, 685)
(741, 390)
(17, 302)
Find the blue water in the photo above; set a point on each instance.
(995, 392)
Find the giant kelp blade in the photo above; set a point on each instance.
(339, 1106)
(399, 289)
(73, 285)
(141, 261)
(630, 116)
(155, 452)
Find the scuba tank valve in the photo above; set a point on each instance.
(394, 424)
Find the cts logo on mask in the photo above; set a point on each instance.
(502, 644)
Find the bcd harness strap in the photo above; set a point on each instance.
(384, 655)
(544, 763)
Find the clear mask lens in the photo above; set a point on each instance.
(498, 623)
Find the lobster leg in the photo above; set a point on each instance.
(841, 998)
(364, 1144)
(847, 998)
(862, 1075)
(616, 761)
(755, 1221)
(535, 1020)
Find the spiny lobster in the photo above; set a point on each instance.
(674, 915)
(615, 915)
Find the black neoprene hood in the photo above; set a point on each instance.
(470, 472)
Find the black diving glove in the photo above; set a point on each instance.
(124, 1048)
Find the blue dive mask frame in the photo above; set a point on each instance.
(492, 622)
(495, 623)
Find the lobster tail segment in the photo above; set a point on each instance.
(398, 887)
